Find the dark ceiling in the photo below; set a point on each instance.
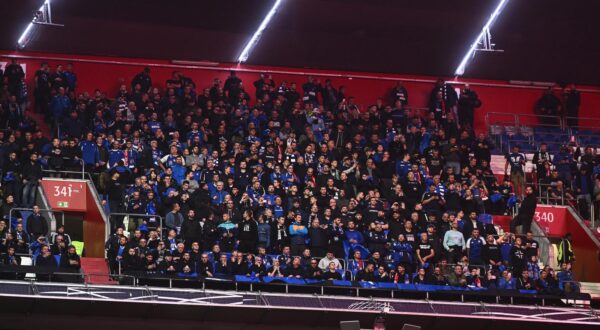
(543, 40)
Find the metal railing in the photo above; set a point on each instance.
(59, 275)
(49, 211)
(160, 227)
(82, 173)
(583, 123)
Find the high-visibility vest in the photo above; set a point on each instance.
(562, 254)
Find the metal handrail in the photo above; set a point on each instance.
(50, 211)
(140, 215)
(558, 119)
(83, 173)
(489, 114)
(581, 121)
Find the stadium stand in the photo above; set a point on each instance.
(293, 184)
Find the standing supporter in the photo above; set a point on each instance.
(526, 212)
(454, 243)
(516, 161)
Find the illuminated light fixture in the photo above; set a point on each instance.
(195, 63)
(481, 38)
(42, 16)
(263, 25)
(24, 38)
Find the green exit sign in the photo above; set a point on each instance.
(63, 204)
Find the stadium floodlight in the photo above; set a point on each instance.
(42, 16)
(256, 36)
(24, 38)
(460, 70)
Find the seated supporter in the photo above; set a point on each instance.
(506, 281)
(367, 274)
(239, 266)
(356, 264)
(188, 266)
(276, 270)
(565, 279)
(329, 258)
(313, 271)
(149, 264)
(295, 269)
(474, 278)
(400, 275)
(457, 277)
(422, 277)
(332, 273)
(46, 260)
(525, 282)
(223, 266)
(168, 266)
(131, 261)
(204, 267)
(70, 260)
(258, 268)
(381, 275)
(11, 259)
(438, 277)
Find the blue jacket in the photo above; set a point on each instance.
(178, 173)
(218, 197)
(403, 252)
(89, 152)
(355, 235)
(298, 234)
(264, 234)
(475, 247)
(508, 285)
(60, 105)
(114, 156)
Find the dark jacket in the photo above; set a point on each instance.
(528, 206)
(37, 225)
(32, 171)
(191, 231)
(65, 262)
(319, 237)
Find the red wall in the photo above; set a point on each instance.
(106, 73)
(586, 266)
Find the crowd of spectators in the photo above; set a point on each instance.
(290, 181)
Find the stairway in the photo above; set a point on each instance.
(594, 291)
(39, 119)
(98, 269)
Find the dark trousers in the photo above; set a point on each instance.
(297, 249)
(29, 193)
(247, 246)
(521, 220)
(455, 255)
(317, 251)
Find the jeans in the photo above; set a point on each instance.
(29, 193)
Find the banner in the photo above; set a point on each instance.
(66, 195)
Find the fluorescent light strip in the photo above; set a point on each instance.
(22, 42)
(460, 70)
(263, 25)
